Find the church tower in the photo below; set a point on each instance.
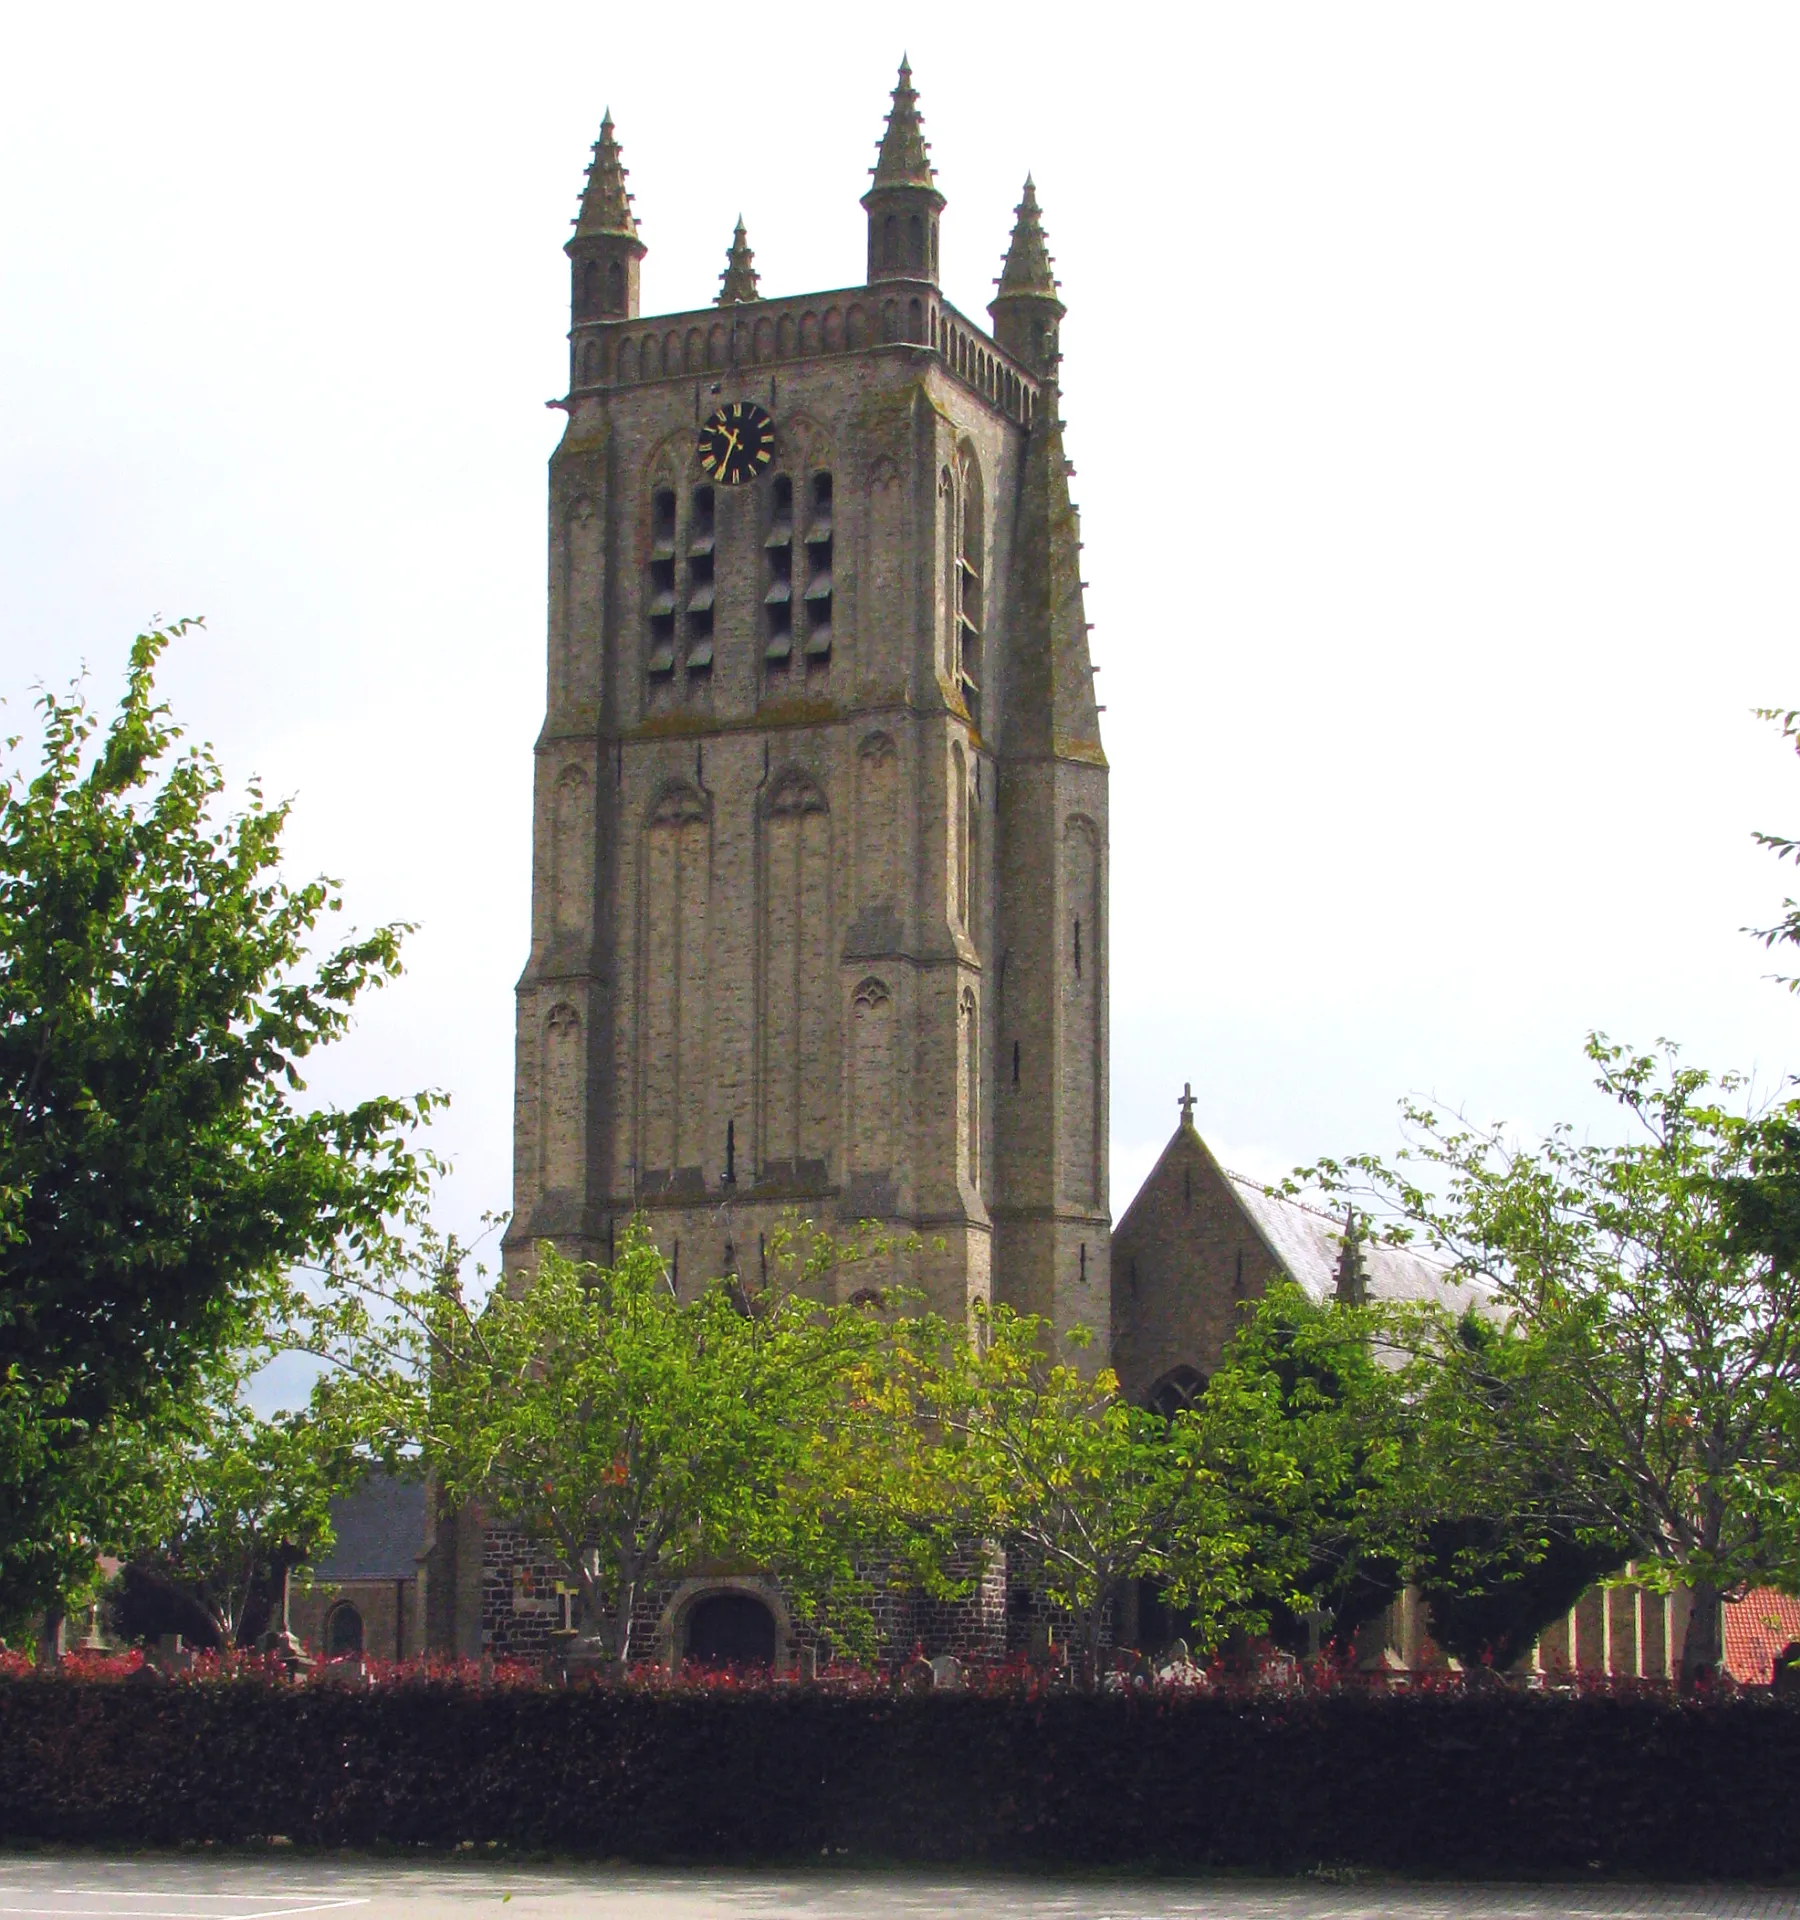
(819, 874)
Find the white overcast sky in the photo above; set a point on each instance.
(1433, 380)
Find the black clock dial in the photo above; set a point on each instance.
(737, 443)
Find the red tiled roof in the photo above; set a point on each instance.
(1757, 1628)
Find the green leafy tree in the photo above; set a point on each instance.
(633, 1433)
(1505, 1512)
(71, 1491)
(244, 1499)
(1020, 1447)
(1310, 1421)
(1665, 1344)
(158, 1170)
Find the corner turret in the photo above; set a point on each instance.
(1026, 312)
(605, 250)
(903, 204)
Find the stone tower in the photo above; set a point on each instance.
(820, 831)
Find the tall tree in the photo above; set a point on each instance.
(238, 1499)
(630, 1432)
(1037, 1453)
(1309, 1420)
(1505, 1514)
(159, 1170)
(1667, 1343)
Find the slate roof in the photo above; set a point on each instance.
(380, 1530)
(1309, 1245)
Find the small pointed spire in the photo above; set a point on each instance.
(1028, 267)
(1352, 1282)
(905, 157)
(605, 205)
(1026, 312)
(738, 282)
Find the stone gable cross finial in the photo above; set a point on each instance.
(1186, 1103)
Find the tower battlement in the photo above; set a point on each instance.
(746, 336)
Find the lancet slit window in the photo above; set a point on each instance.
(778, 565)
(700, 582)
(661, 601)
(964, 510)
(819, 542)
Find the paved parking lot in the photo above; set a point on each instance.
(81, 1887)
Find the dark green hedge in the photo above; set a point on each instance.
(1498, 1784)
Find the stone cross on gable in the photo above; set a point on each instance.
(1186, 1104)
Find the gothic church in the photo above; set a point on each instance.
(819, 886)
(819, 891)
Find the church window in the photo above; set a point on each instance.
(679, 608)
(890, 241)
(819, 541)
(615, 287)
(1015, 1063)
(700, 582)
(778, 595)
(590, 288)
(1176, 1391)
(963, 523)
(1078, 946)
(662, 581)
(915, 234)
(343, 1632)
(590, 362)
(969, 1085)
(959, 834)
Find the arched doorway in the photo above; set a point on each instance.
(730, 1630)
(343, 1632)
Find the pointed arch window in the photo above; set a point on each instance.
(680, 586)
(965, 587)
(798, 591)
(968, 1050)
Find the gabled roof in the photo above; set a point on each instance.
(1309, 1245)
(380, 1531)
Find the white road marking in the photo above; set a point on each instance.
(159, 1913)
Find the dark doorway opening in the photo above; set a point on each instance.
(731, 1630)
(343, 1632)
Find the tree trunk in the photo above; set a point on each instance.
(1702, 1647)
(627, 1606)
(50, 1637)
(1087, 1675)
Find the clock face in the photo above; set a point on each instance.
(737, 443)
